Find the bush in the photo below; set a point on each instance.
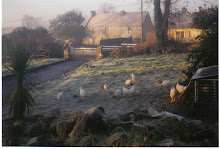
(173, 46)
(20, 53)
(146, 47)
(122, 52)
(206, 52)
(56, 50)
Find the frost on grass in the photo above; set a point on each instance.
(34, 64)
(149, 70)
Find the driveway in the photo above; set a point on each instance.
(39, 76)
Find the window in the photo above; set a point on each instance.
(179, 35)
(129, 29)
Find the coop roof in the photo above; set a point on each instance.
(205, 72)
(180, 20)
(126, 19)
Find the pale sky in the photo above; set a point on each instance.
(14, 10)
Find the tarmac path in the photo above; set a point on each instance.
(39, 76)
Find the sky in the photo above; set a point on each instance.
(14, 10)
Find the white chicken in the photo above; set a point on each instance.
(82, 92)
(133, 77)
(118, 93)
(172, 93)
(165, 83)
(180, 88)
(128, 82)
(126, 91)
(60, 95)
(132, 90)
(105, 87)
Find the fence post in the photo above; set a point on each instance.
(66, 53)
(98, 52)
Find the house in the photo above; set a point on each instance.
(117, 25)
(179, 26)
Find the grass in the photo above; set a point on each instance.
(34, 64)
(149, 70)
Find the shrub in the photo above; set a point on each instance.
(173, 46)
(20, 53)
(122, 52)
(146, 47)
(206, 52)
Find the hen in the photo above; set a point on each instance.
(60, 95)
(82, 92)
(126, 91)
(180, 88)
(133, 77)
(128, 82)
(165, 83)
(105, 87)
(172, 94)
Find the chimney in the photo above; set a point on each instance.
(184, 10)
(92, 14)
(122, 12)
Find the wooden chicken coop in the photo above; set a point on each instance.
(206, 85)
(201, 93)
(203, 88)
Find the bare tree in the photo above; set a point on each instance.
(106, 8)
(31, 22)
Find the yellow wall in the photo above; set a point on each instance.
(189, 33)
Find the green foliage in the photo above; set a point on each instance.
(20, 53)
(206, 53)
(68, 26)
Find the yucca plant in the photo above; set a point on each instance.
(19, 53)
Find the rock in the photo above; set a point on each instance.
(206, 143)
(132, 117)
(118, 130)
(141, 116)
(125, 125)
(52, 128)
(202, 134)
(63, 128)
(151, 134)
(138, 129)
(144, 110)
(91, 121)
(124, 116)
(45, 123)
(116, 140)
(166, 143)
(37, 141)
(55, 112)
(34, 130)
(55, 142)
(85, 141)
(150, 125)
(196, 125)
(33, 142)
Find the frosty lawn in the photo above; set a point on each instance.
(34, 64)
(149, 70)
